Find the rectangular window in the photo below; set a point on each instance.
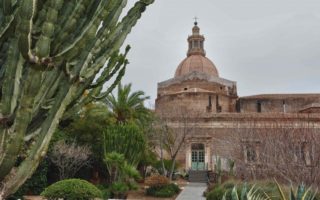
(251, 151)
(259, 107)
(302, 153)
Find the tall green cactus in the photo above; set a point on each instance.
(50, 53)
(126, 139)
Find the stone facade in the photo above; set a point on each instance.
(227, 126)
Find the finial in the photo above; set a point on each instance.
(195, 21)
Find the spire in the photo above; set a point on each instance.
(196, 41)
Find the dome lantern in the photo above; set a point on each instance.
(196, 57)
(196, 42)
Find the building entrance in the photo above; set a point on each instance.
(197, 157)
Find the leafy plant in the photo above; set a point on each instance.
(168, 190)
(119, 189)
(128, 106)
(302, 193)
(246, 194)
(121, 173)
(72, 189)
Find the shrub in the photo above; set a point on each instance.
(157, 180)
(106, 193)
(119, 189)
(163, 191)
(216, 194)
(72, 189)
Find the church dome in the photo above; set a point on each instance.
(197, 63)
(196, 60)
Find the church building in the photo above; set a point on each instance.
(218, 123)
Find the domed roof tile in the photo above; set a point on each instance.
(196, 63)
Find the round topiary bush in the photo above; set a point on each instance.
(72, 189)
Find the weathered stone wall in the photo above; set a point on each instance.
(278, 104)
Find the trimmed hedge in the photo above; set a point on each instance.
(72, 189)
(163, 191)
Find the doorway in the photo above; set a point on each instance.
(197, 156)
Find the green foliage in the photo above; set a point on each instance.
(126, 139)
(234, 190)
(119, 189)
(121, 174)
(302, 193)
(106, 193)
(119, 169)
(55, 58)
(87, 128)
(128, 106)
(216, 194)
(168, 190)
(72, 189)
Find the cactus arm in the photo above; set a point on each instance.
(112, 68)
(5, 27)
(6, 7)
(23, 117)
(26, 13)
(49, 83)
(69, 23)
(113, 65)
(10, 73)
(48, 27)
(87, 35)
(38, 150)
(115, 83)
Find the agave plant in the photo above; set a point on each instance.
(252, 194)
(302, 193)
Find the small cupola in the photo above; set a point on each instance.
(196, 42)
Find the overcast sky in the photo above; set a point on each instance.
(266, 46)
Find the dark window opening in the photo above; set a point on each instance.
(209, 107)
(259, 107)
(185, 88)
(218, 107)
(238, 106)
(251, 154)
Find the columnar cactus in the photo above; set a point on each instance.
(50, 53)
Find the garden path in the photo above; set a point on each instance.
(193, 191)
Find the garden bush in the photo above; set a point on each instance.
(216, 194)
(119, 189)
(106, 193)
(157, 180)
(163, 191)
(72, 189)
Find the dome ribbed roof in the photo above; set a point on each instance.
(197, 63)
